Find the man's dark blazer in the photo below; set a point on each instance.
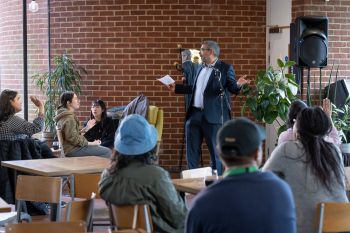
(212, 100)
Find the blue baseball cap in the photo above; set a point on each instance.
(135, 136)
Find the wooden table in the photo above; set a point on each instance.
(59, 166)
(4, 207)
(189, 185)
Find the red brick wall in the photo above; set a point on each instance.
(126, 45)
(338, 36)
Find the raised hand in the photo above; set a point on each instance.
(91, 123)
(36, 101)
(241, 81)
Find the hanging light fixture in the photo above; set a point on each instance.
(33, 6)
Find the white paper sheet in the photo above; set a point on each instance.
(166, 80)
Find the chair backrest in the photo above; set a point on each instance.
(60, 140)
(155, 117)
(333, 216)
(131, 217)
(197, 173)
(40, 189)
(82, 185)
(45, 227)
(80, 210)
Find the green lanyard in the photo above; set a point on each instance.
(240, 170)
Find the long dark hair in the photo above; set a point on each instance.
(294, 109)
(103, 107)
(120, 161)
(6, 109)
(65, 97)
(312, 125)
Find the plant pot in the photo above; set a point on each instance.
(48, 137)
(345, 148)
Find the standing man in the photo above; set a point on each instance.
(245, 200)
(189, 71)
(209, 105)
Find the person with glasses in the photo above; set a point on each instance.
(99, 126)
(210, 103)
(74, 144)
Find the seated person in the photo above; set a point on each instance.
(311, 166)
(134, 179)
(13, 127)
(74, 144)
(100, 127)
(245, 200)
(293, 112)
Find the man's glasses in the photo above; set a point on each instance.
(203, 49)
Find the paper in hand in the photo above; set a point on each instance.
(166, 80)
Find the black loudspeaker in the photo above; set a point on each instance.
(312, 44)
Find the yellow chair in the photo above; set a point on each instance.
(333, 217)
(155, 117)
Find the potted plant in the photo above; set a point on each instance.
(341, 121)
(273, 93)
(65, 76)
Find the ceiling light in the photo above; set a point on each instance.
(33, 6)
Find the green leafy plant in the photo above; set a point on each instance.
(66, 76)
(341, 119)
(273, 93)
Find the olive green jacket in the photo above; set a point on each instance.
(140, 183)
(69, 125)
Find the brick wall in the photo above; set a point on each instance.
(338, 37)
(126, 45)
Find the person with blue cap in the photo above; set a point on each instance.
(134, 179)
(245, 200)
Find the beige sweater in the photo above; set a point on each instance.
(69, 124)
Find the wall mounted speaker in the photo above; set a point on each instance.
(312, 43)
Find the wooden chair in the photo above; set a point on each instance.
(45, 227)
(81, 211)
(40, 189)
(130, 217)
(85, 184)
(333, 217)
(60, 141)
(82, 185)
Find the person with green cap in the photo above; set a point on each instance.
(245, 200)
(134, 179)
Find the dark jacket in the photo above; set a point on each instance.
(139, 183)
(104, 131)
(15, 150)
(212, 98)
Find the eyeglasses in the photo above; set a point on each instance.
(203, 49)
